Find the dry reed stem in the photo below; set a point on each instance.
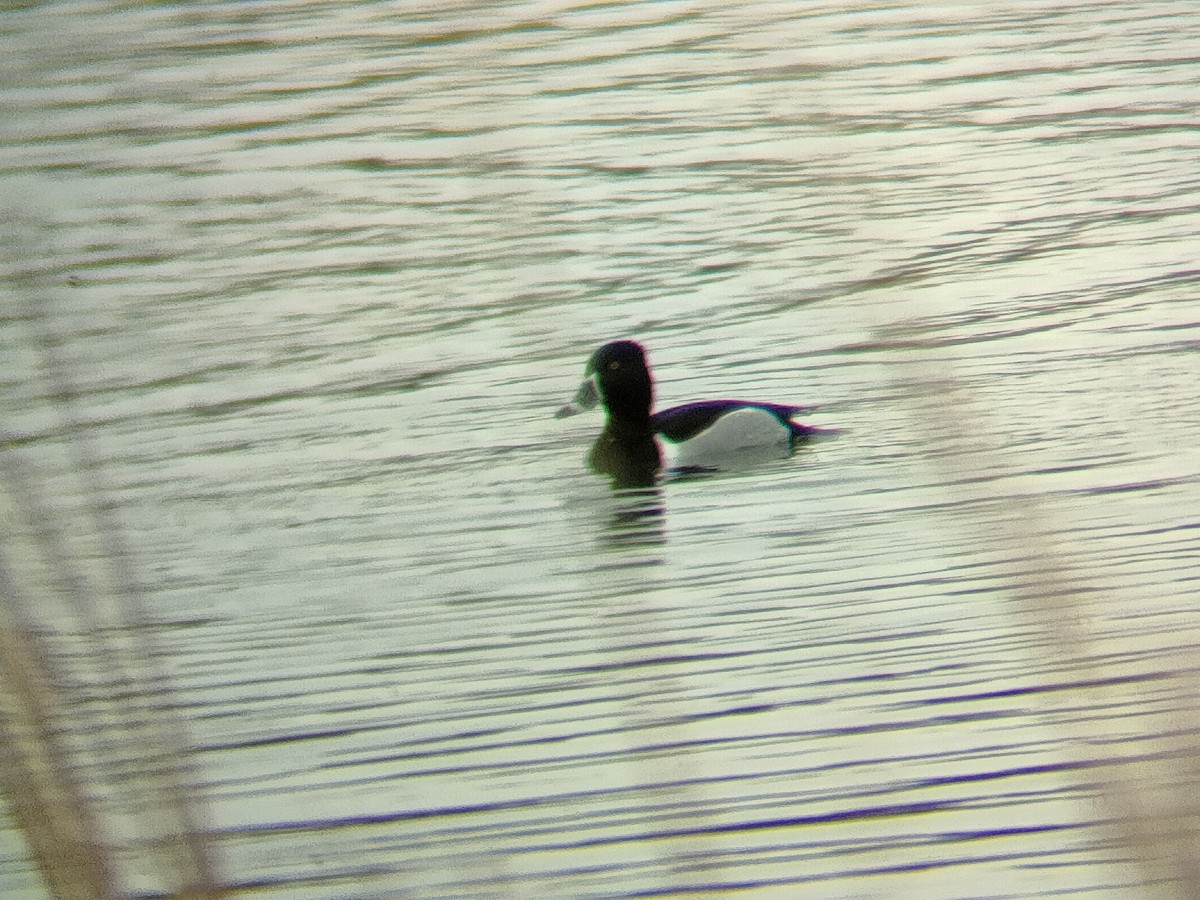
(43, 792)
(62, 823)
(1148, 796)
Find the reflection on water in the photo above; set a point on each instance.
(639, 517)
(322, 272)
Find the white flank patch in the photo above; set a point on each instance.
(732, 438)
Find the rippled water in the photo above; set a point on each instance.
(324, 271)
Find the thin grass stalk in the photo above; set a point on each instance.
(63, 826)
(43, 791)
(1148, 798)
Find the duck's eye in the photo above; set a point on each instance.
(613, 366)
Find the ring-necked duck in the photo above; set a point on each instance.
(618, 378)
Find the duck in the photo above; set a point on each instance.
(700, 435)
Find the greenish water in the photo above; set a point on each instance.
(322, 273)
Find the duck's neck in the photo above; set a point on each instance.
(629, 411)
(628, 427)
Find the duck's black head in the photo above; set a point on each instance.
(618, 377)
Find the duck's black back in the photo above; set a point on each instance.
(679, 423)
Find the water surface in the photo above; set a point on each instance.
(323, 273)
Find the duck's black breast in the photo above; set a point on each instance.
(630, 460)
(680, 423)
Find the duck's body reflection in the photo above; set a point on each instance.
(633, 463)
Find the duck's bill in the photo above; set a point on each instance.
(585, 398)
